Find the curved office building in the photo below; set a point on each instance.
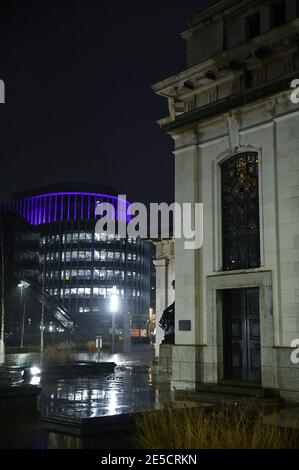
(81, 269)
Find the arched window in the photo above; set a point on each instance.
(240, 212)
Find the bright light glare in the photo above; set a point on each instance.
(35, 371)
(114, 300)
(113, 303)
(35, 380)
(23, 284)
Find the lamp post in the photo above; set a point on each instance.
(23, 285)
(42, 329)
(42, 320)
(113, 309)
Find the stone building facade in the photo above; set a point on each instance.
(236, 135)
(165, 275)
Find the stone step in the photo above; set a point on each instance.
(238, 389)
(215, 399)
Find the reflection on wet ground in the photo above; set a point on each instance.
(128, 389)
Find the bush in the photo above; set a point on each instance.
(60, 353)
(193, 428)
(91, 346)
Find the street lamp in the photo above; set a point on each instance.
(114, 303)
(23, 285)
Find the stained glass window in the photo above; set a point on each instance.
(240, 212)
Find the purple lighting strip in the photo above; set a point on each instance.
(61, 207)
(52, 207)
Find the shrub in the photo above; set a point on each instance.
(91, 346)
(60, 353)
(193, 428)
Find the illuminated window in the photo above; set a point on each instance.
(99, 292)
(84, 309)
(67, 293)
(84, 291)
(112, 290)
(240, 212)
(102, 274)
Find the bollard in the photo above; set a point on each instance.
(99, 343)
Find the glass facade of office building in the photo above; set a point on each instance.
(82, 269)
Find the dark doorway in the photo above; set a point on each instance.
(241, 335)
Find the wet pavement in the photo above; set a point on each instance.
(128, 389)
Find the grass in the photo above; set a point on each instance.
(60, 353)
(193, 428)
(25, 349)
(91, 346)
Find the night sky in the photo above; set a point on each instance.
(79, 107)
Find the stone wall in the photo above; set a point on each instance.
(269, 127)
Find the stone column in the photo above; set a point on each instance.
(164, 264)
(185, 353)
(161, 266)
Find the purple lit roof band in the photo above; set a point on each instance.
(39, 209)
(50, 209)
(82, 200)
(75, 206)
(61, 207)
(68, 206)
(55, 208)
(35, 211)
(88, 213)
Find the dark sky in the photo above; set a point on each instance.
(79, 106)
